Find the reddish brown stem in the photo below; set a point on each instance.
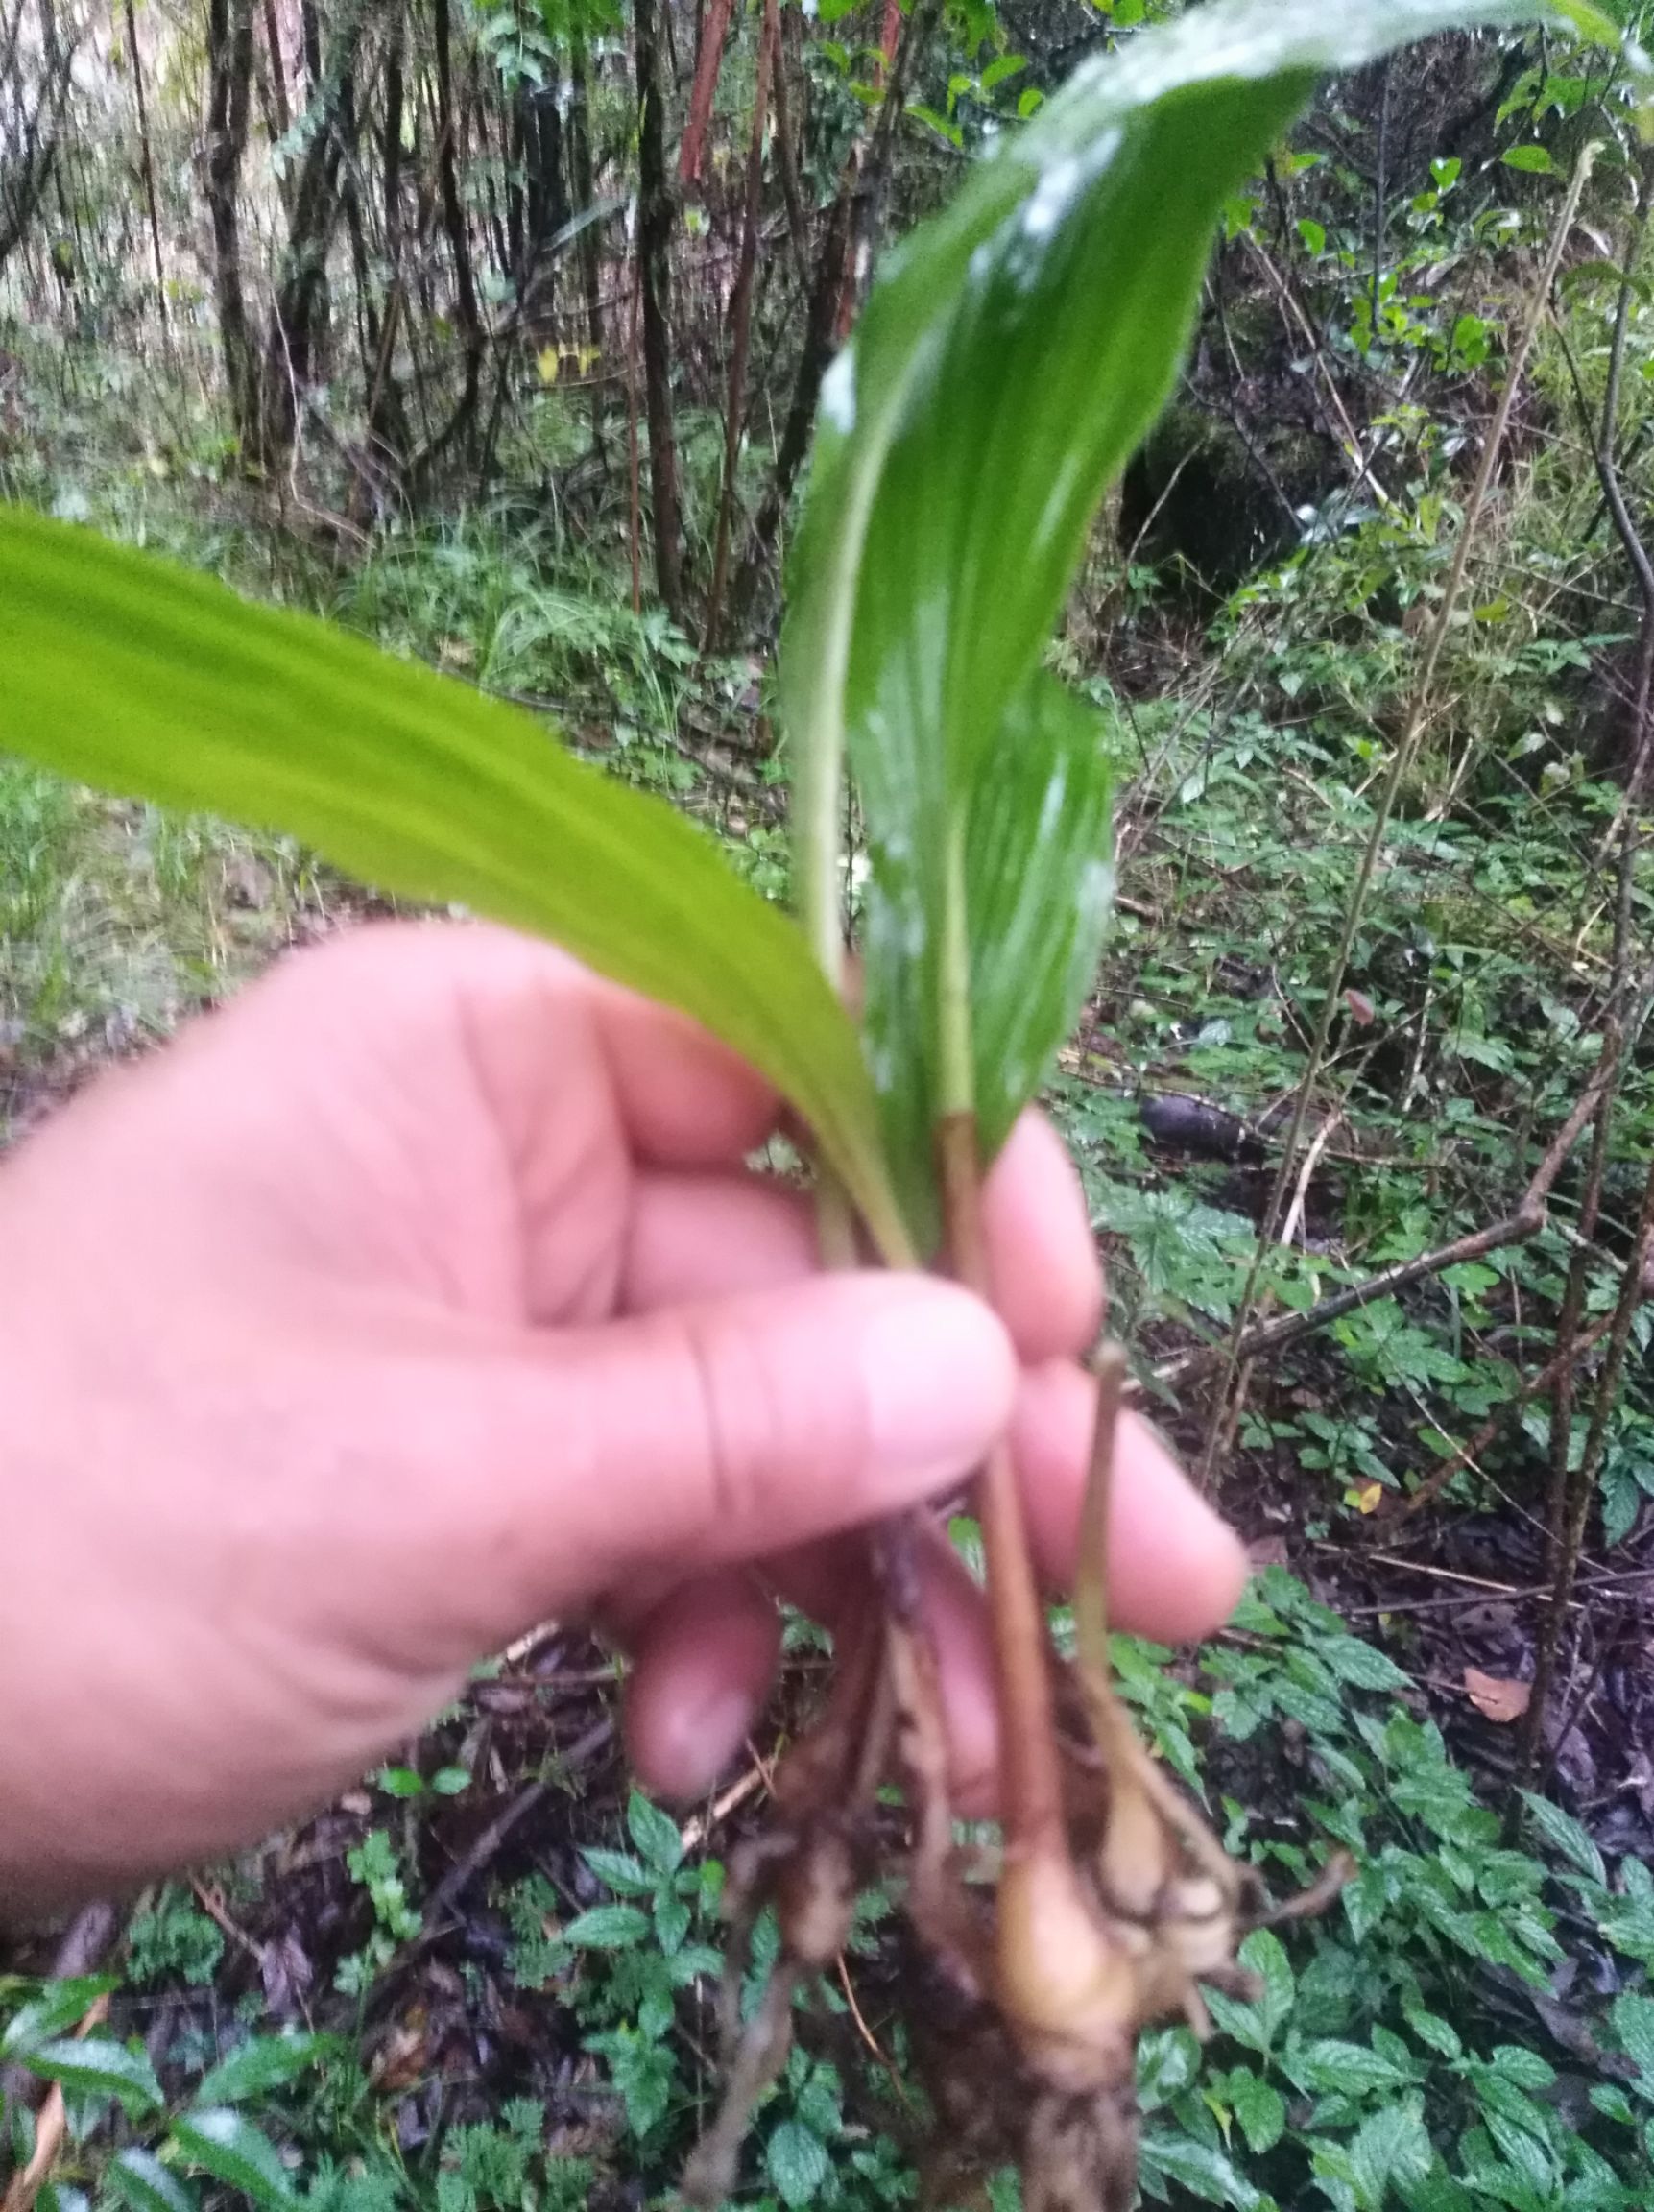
(709, 60)
(1030, 1777)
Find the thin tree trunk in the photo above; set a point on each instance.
(547, 198)
(882, 155)
(585, 196)
(148, 167)
(708, 58)
(515, 198)
(34, 164)
(820, 332)
(466, 311)
(580, 174)
(634, 513)
(655, 274)
(229, 59)
(786, 159)
(294, 345)
(350, 196)
(387, 418)
(740, 320)
(277, 70)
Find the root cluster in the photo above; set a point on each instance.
(1108, 1907)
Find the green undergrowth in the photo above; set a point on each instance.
(116, 919)
(1469, 1021)
(1469, 2027)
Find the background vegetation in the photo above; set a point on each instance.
(496, 332)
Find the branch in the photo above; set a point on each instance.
(1528, 1219)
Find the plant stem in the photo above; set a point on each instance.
(1031, 1796)
(1583, 1490)
(1092, 1573)
(1031, 1799)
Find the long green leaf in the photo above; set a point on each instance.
(58, 2005)
(1013, 352)
(262, 2065)
(1040, 888)
(143, 2184)
(233, 2150)
(1041, 885)
(126, 672)
(96, 2067)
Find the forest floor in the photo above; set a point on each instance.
(483, 1982)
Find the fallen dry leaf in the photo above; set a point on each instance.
(1495, 1698)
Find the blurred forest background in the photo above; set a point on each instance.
(496, 329)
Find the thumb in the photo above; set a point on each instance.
(724, 1431)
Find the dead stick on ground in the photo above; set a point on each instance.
(696, 1831)
(1301, 1197)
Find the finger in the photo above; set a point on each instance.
(705, 1658)
(1042, 1257)
(697, 1235)
(703, 1666)
(687, 1099)
(1176, 1570)
(699, 1437)
(534, 1018)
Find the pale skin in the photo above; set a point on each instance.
(424, 1294)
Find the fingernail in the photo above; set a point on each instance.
(939, 1375)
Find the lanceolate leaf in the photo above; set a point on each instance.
(1013, 351)
(124, 671)
(233, 2150)
(139, 2180)
(1040, 885)
(263, 2063)
(96, 2067)
(1038, 882)
(58, 2007)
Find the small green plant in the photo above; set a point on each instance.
(173, 1937)
(486, 2167)
(374, 1866)
(209, 2136)
(407, 1783)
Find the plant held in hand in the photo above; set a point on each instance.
(1013, 352)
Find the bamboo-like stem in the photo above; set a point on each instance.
(1031, 1793)
(1573, 1312)
(1584, 1486)
(1092, 1573)
(1233, 1392)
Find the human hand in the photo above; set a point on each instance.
(424, 1294)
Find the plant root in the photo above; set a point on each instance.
(1038, 1967)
